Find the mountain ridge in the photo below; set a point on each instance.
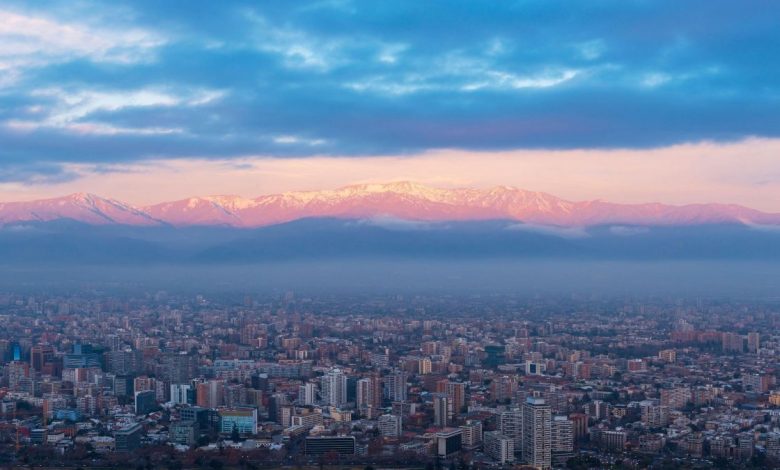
(402, 200)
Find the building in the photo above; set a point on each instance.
(181, 394)
(675, 398)
(732, 343)
(424, 366)
(209, 394)
(773, 446)
(562, 440)
(334, 388)
(441, 410)
(368, 394)
(184, 432)
(395, 385)
(83, 356)
(40, 356)
(636, 365)
(457, 393)
(449, 441)
(654, 415)
(510, 423)
(495, 355)
(753, 342)
(129, 438)
(499, 447)
(196, 414)
(18, 374)
(537, 433)
(307, 394)
(319, 445)
(145, 402)
(613, 440)
(745, 445)
(390, 425)
(472, 434)
(243, 419)
(667, 355)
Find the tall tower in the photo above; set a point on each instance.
(441, 410)
(511, 425)
(395, 384)
(334, 388)
(537, 433)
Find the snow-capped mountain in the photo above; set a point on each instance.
(82, 207)
(401, 200)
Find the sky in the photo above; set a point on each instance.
(624, 100)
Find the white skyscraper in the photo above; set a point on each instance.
(441, 410)
(334, 388)
(307, 394)
(179, 393)
(562, 439)
(537, 433)
(511, 425)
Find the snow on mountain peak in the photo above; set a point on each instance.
(402, 199)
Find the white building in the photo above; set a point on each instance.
(537, 433)
(334, 388)
(390, 425)
(499, 447)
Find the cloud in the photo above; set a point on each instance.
(626, 231)
(394, 223)
(131, 82)
(70, 110)
(560, 232)
(680, 174)
(29, 40)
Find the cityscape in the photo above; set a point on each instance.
(389, 235)
(181, 381)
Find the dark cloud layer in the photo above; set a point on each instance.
(281, 78)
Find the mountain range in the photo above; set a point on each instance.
(400, 201)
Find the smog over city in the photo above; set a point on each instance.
(361, 234)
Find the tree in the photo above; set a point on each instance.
(234, 436)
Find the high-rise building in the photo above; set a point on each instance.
(562, 440)
(472, 434)
(209, 394)
(537, 433)
(307, 394)
(457, 393)
(499, 447)
(40, 356)
(495, 355)
(510, 423)
(732, 342)
(145, 402)
(181, 393)
(334, 388)
(441, 410)
(17, 372)
(424, 366)
(368, 396)
(753, 342)
(395, 385)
